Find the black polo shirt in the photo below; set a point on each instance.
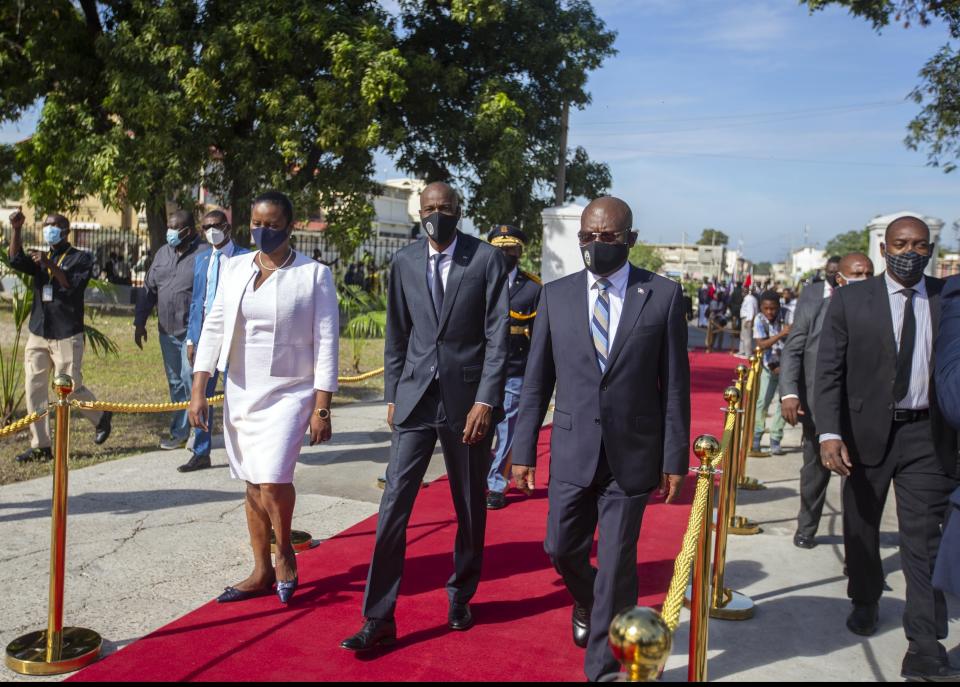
(62, 317)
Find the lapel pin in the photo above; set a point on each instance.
(640, 289)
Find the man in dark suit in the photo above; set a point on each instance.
(798, 368)
(524, 298)
(612, 339)
(946, 575)
(879, 421)
(445, 358)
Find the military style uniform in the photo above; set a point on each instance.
(524, 299)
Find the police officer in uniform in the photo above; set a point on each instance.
(524, 298)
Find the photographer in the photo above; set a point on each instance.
(716, 322)
(55, 343)
(769, 334)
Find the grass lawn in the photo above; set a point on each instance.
(137, 377)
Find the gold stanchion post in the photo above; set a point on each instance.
(302, 541)
(758, 366)
(708, 451)
(726, 604)
(740, 525)
(57, 649)
(743, 481)
(641, 641)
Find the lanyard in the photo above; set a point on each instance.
(59, 263)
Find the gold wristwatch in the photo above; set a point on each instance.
(323, 413)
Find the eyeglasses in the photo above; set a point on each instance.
(586, 237)
(218, 225)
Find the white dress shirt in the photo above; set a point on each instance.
(444, 266)
(749, 307)
(918, 393)
(616, 292)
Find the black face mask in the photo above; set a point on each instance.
(440, 227)
(832, 280)
(604, 259)
(908, 266)
(512, 261)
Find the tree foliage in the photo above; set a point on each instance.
(857, 241)
(646, 256)
(713, 237)
(937, 127)
(487, 80)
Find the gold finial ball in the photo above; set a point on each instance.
(707, 449)
(731, 395)
(63, 385)
(742, 370)
(641, 640)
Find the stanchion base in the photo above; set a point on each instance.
(751, 484)
(741, 526)
(739, 607)
(27, 654)
(302, 541)
(758, 454)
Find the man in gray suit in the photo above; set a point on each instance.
(798, 367)
(612, 339)
(446, 362)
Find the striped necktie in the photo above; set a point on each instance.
(600, 324)
(212, 281)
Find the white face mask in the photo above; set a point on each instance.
(852, 280)
(215, 236)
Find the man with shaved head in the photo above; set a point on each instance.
(445, 361)
(169, 287)
(612, 341)
(879, 422)
(798, 366)
(56, 341)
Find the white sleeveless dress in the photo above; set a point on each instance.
(265, 417)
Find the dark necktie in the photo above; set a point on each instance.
(908, 336)
(437, 291)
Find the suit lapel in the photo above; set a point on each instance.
(517, 284)
(633, 302)
(461, 259)
(881, 305)
(420, 283)
(933, 298)
(578, 299)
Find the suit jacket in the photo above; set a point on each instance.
(306, 335)
(856, 368)
(200, 269)
(798, 360)
(638, 410)
(948, 353)
(524, 300)
(465, 348)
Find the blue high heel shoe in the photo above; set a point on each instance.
(285, 590)
(232, 595)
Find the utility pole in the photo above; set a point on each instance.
(562, 162)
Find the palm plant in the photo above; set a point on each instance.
(366, 316)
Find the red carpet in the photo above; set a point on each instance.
(522, 609)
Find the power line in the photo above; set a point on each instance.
(724, 156)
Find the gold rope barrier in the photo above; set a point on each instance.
(361, 378)
(641, 638)
(22, 424)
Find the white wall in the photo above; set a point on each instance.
(560, 253)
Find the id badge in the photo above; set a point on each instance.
(48, 293)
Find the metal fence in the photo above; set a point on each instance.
(122, 256)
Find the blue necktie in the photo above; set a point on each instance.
(212, 281)
(600, 324)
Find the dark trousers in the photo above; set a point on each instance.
(814, 479)
(922, 489)
(467, 467)
(575, 513)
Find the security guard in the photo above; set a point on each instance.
(524, 298)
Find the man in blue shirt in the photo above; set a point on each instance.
(769, 334)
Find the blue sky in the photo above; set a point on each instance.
(754, 117)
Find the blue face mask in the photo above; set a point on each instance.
(173, 238)
(268, 240)
(52, 234)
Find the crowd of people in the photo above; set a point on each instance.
(476, 349)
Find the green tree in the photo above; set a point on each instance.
(937, 127)
(487, 81)
(646, 256)
(713, 237)
(857, 241)
(763, 269)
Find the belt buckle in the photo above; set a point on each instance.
(903, 415)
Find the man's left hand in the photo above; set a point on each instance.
(478, 424)
(670, 485)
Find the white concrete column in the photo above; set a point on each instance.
(560, 253)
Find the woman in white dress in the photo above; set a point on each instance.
(273, 330)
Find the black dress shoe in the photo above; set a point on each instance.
(802, 541)
(40, 455)
(460, 618)
(196, 462)
(920, 668)
(581, 626)
(496, 500)
(104, 427)
(863, 620)
(375, 632)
